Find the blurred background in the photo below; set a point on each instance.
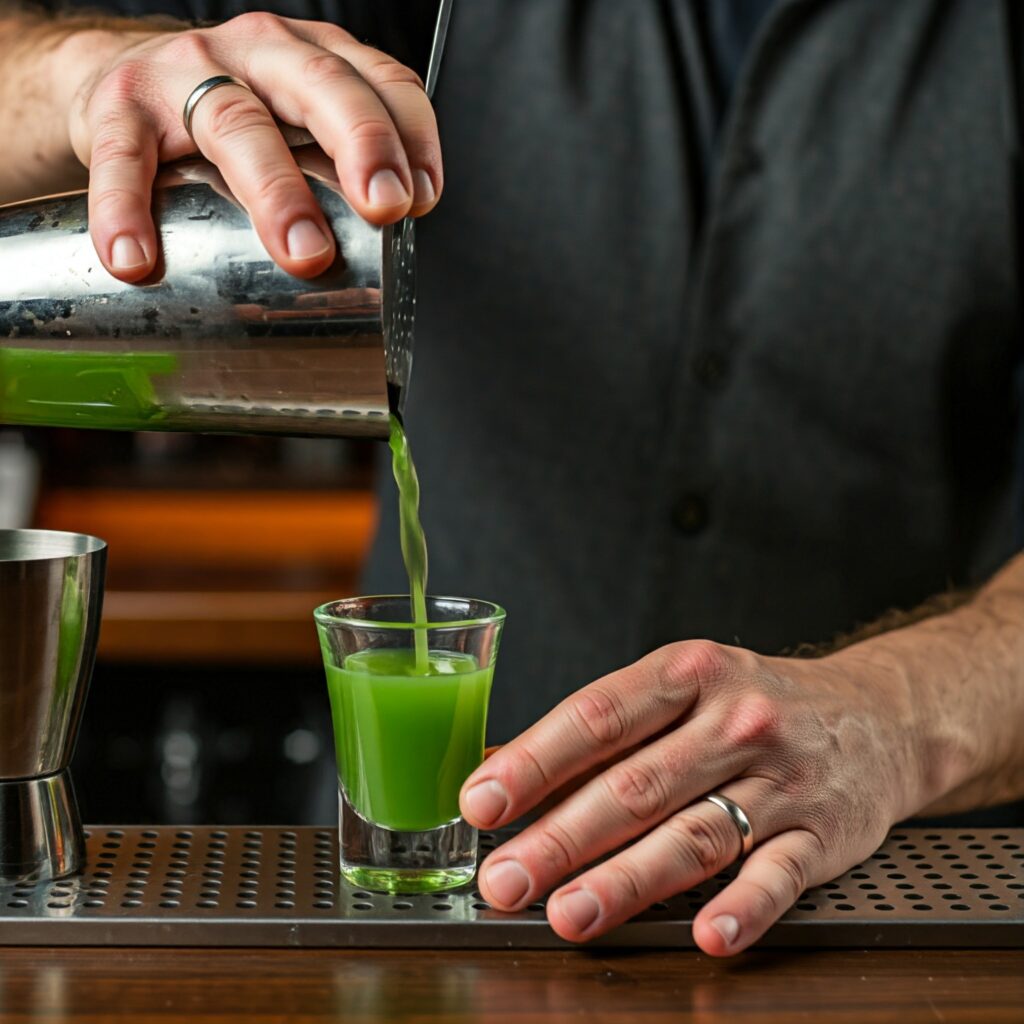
(208, 702)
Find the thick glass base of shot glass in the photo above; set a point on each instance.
(387, 860)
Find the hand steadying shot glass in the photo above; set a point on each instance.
(409, 706)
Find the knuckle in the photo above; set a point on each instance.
(754, 718)
(112, 199)
(233, 114)
(793, 874)
(334, 37)
(705, 661)
(528, 765)
(277, 188)
(385, 71)
(325, 69)
(639, 790)
(111, 146)
(698, 664)
(188, 48)
(625, 883)
(556, 849)
(698, 842)
(817, 849)
(122, 85)
(764, 901)
(599, 714)
(371, 129)
(260, 23)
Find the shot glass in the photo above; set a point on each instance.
(409, 707)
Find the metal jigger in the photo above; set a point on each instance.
(51, 594)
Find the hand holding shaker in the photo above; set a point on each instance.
(219, 339)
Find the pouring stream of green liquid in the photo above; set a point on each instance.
(414, 544)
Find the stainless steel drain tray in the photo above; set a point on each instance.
(203, 886)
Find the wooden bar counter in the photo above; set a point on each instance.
(769, 987)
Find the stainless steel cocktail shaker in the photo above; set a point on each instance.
(219, 339)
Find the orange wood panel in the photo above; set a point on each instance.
(225, 528)
(218, 576)
(209, 627)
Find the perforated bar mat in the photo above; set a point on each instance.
(172, 886)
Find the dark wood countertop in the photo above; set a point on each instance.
(146, 986)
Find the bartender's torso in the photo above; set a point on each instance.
(747, 370)
(760, 407)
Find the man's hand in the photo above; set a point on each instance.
(818, 765)
(823, 755)
(367, 111)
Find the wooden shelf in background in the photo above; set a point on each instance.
(218, 576)
(222, 529)
(211, 627)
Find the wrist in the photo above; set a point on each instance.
(921, 677)
(892, 677)
(48, 63)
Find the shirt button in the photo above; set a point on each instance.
(689, 514)
(711, 369)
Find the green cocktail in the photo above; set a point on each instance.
(109, 390)
(406, 742)
(407, 732)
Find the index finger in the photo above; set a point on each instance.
(604, 719)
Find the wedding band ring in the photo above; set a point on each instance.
(200, 91)
(741, 821)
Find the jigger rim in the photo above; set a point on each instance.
(46, 545)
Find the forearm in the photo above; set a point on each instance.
(44, 62)
(958, 688)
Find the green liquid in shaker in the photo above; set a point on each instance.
(81, 389)
(405, 741)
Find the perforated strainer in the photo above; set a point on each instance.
(208, 886)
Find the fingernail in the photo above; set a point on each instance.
(305, 240)
(580, 907)
(422, 188)
(486, 802)
(126, 253)
(386, 189)
(507, 882)
(727, 926)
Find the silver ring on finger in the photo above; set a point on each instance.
(739, 818)
(200, 91)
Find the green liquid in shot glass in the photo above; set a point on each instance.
(405, 741)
